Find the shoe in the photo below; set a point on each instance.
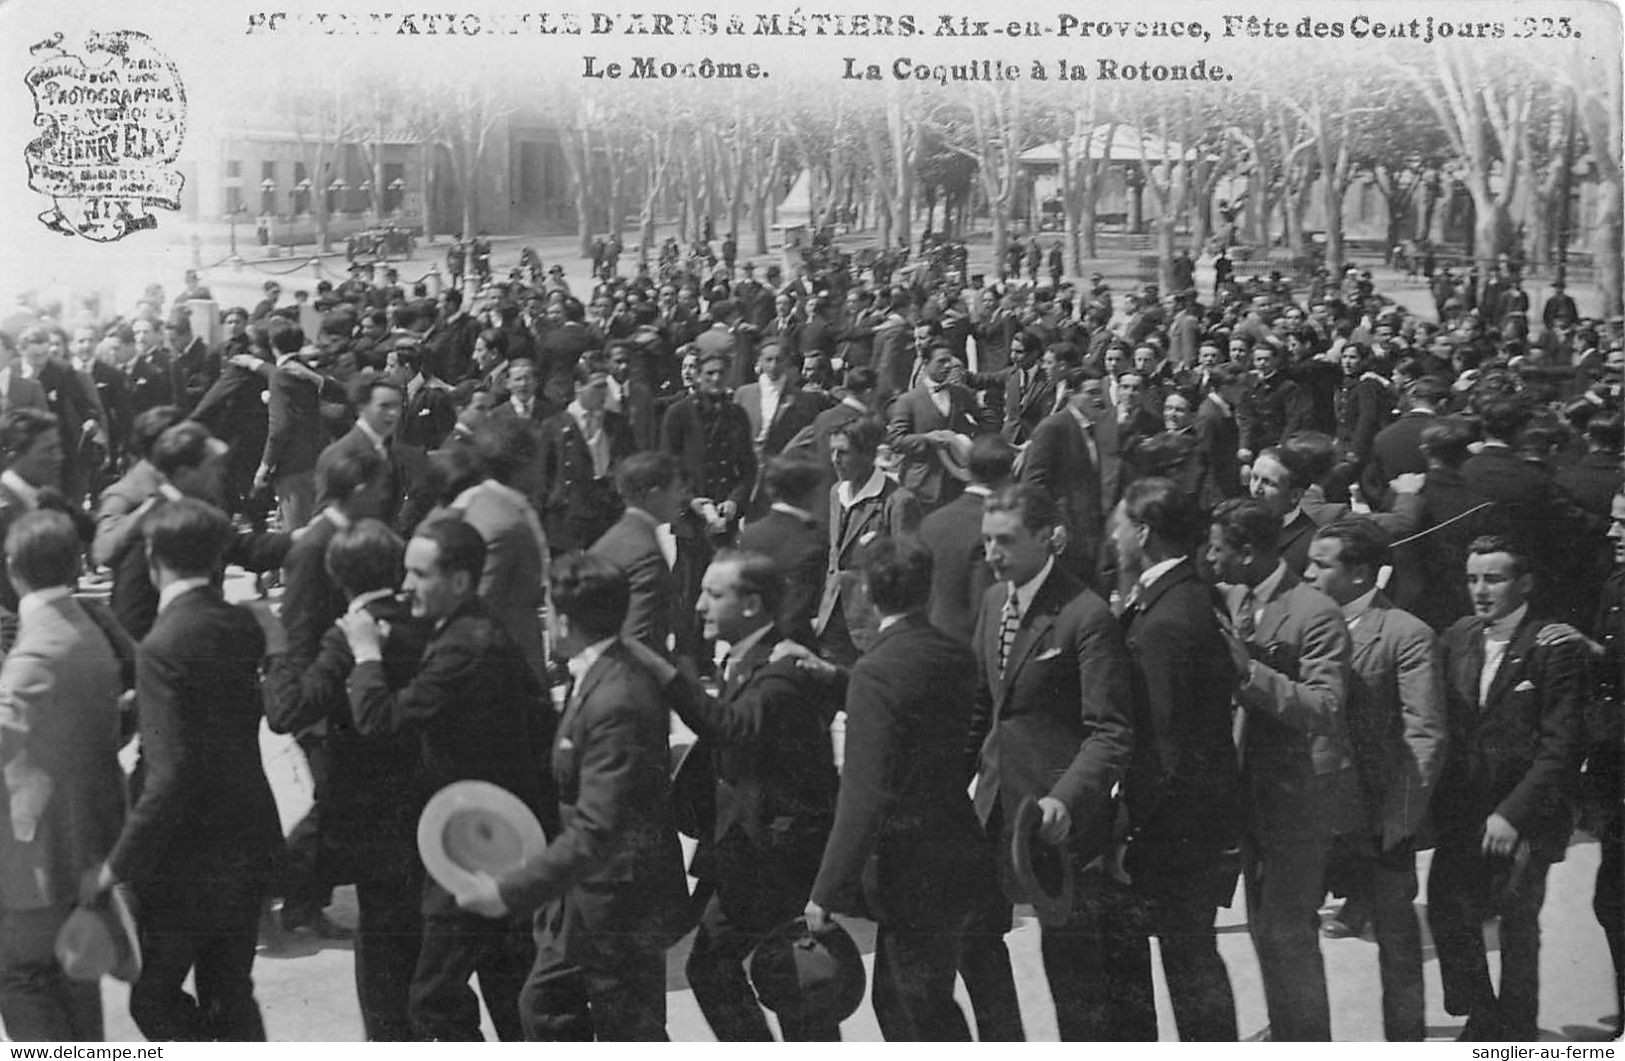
(1481, 1027)
(1348, 923)
(318, 924)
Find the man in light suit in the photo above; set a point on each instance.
(863, 504)
(931, 426)
(64, 791)
(1051, 723)
(609, 888)
(1074, 455)
(201, 840)
(1396, 724)
(1503, 808)
(953, 536)
(642, 544)
(777, 409)
(1291, 647)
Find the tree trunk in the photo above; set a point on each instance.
(1332, 203)
(1606, 249)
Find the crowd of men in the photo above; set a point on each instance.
(1272, 586)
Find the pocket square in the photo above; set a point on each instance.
(1524, 686)
(1049, 654)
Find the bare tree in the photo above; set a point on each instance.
(471, 111)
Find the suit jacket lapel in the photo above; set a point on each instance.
(1275, 611)
(1470, 664)
(1517, 652)
(1034, 625)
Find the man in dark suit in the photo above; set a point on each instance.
(70, 399)
(609, 888)
(578, 451)
(1075, 456)
(1183, 793)
(1290, 647)
(1029, 393)
(311, 601)
(1051, 723)
(953, 536)
(1426, 580)
(931, 427)
(1274, 406)
(192, 369)
(894, 348)
(562, 347)
(374, 790)
(293, 438)
(523, 401)
(790, 536)
(711, 438)
(1596, 477)
(1503, 807)
(765, 737)
(906, 848)
(201, 839)
(642, 544)
(233, 411)
(376, 421)
(1396, 722)
(863, 505)
(18, 391)
(856, 403)
(1218, 437)
(478, 714)
(64, 801)
(97, 360)
(1396, 449)
(31, 453)
(1530, 507)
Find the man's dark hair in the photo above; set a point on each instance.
(591, 592)
(789, 478)
(350, 471)
(756, 575)
(1485, 544)
(991, 460)
(1504, 417)
(1246, 523)
(364, 557)
(1429, 390)
(865, 434)
(453, 468)
(709, 356)
(1316, 453)
(496, 340)
(643, 472)
(366, 385)
(285, 336)
(860, 379)
(187, 536)
(1364, 543)
(43, 548)
(1030, 501)
(1169, 512)
(898, 573)
(185, 445)
(1446, 440)
(505, 447)
(149, 425)
(20, 429)
(458, 545)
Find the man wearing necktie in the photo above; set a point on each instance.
(932, 427)
(766, 739)
(1290, 647)
(578, 451)
(1513, 703)
(1051, 723)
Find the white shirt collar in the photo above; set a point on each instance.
(1503, 628)
(21, 487)
(790, 510)
(378, 441)
(582, 662)
(888, 621)
(1029, 589)
(1149, 576)
(361, 600)
(38, 599)
(872, 488)
(172, 592)
(979, 490)
(1291, 514)
(854, 403)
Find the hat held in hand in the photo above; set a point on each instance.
(809, 977)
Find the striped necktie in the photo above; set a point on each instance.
(1009, 623)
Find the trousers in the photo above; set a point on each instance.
(38, 1002)
(207, 927)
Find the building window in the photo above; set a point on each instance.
(300, 197)
(267, 197)
(234, 169)
(394, 186)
